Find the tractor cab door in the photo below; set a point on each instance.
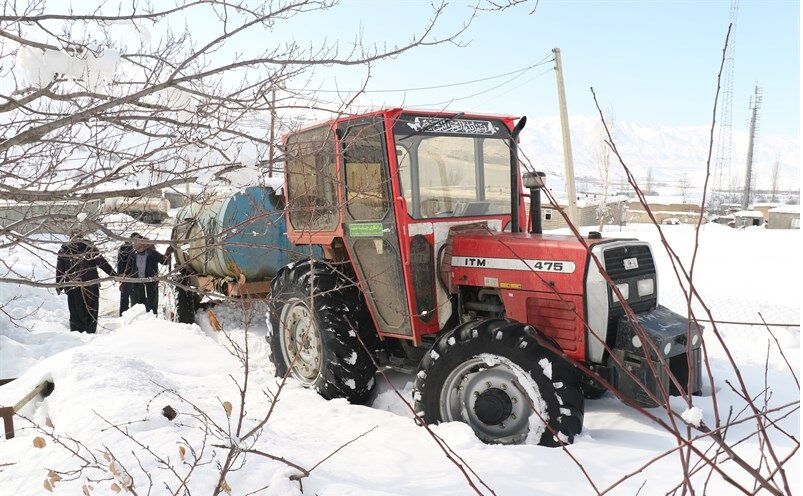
(452, 172)
(370, 224)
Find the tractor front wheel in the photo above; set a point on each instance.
(493, 375)
(315, 315)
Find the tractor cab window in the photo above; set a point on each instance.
(403, 162)
(365, 171)
(496, 174)
(312, 180)
(457, 174)
(446, 175)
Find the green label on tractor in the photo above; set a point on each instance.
(365, 230)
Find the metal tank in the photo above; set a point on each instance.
(241, 234)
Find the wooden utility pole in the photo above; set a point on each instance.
(571, 192)
(272, 130)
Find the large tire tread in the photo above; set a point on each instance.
(348, 371)
(515, 341)
(186, 304)
(176, 303)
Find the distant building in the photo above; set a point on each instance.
(745, 218)
(152, 210)
(784, 217)
(729, 208)
(57, 217)
(589, 212)
(663, 208)
(725, 220)
(764, 208)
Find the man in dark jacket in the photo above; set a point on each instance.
(143, 263)
(77, 263)
(122, 260)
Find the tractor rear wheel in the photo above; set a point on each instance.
(493, 375)
(314, 317)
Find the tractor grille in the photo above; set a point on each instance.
(614, 264)
(615, 257)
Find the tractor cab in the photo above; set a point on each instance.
(403, 180)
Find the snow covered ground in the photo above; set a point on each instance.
(139, 364)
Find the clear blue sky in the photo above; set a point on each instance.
(651, 62)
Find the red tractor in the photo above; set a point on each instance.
(419, 262)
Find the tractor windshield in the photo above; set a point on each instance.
(453, 167)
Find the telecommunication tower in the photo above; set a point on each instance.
(722, 165)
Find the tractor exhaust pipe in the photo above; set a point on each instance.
(514, 175)
(534, 181)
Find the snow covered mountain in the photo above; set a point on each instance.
(672, 152)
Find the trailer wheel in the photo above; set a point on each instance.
(313, 313)
(179, 304)
(490, 374)
(186, 305)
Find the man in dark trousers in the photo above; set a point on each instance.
(78, 262)
(143, 263)
(122, 259)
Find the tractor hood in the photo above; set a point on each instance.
(535, 262)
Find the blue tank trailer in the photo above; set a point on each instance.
(231, 244)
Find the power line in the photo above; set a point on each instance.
(545, 60)
(514, 88)
(517, 74)
(457, 99)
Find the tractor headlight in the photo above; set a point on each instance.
(646, 287)
(624, 288)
